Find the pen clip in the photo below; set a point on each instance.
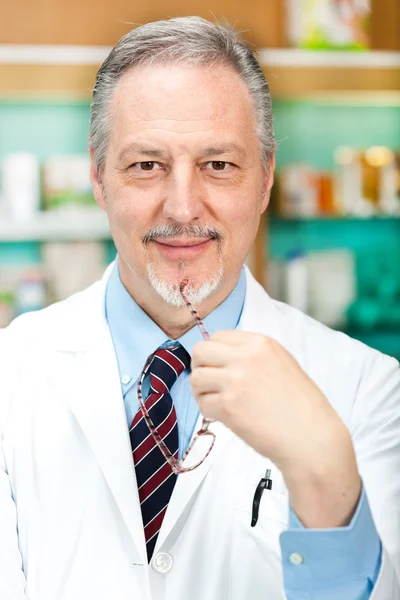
(264, 484)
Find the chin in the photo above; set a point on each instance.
(197, 290)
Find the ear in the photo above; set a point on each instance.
(268, 181)
(95, 178)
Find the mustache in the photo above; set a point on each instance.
(172, 231)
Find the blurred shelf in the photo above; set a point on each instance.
(31, 54)
(88, 224)
(294, 73)
(336, 219)
(280, 57)
(346, 98)
(49, 70)
(292, 57)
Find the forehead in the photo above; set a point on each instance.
(182, 100)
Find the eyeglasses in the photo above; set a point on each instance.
(204, 439)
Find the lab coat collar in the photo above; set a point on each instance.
(84, 322)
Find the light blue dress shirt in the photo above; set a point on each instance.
(333, 563)
(136, 336)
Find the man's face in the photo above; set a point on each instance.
(183, 182)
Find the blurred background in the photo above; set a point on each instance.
(330, 244)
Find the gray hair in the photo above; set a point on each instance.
(186, 40)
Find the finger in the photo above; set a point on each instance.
(210, 405)
(233, 337)
(210, 354)
(204, 380)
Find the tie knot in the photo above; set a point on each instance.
(167, 365)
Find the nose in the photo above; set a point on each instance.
(184, 197)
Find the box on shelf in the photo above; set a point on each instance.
(66, 182)
(71, 266)
(321, 284)
(329, 24)
(63, 184)
(6, 307)
(305, 192)
(23, 288)
(20, 176)
(365, 183)
(66, 268)
(339, 288)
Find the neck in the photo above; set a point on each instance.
(173, 321)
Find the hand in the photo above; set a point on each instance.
(256, 388)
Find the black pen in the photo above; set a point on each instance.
(264, 484)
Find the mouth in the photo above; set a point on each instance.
(183, 249)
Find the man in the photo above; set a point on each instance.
(306, 420)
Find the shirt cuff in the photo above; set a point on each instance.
(328, 560)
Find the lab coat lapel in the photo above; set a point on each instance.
(188, 483)
(258, 316)
(96, 400)
(93, 392)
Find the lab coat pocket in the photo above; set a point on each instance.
(256, 553)
(274, 503)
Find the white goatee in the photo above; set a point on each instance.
(170, 293)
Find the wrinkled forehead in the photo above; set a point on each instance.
(182, 98)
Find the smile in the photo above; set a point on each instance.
(178, 249)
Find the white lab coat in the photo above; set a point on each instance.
(67, 479)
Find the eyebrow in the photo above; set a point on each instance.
(152, 152)
(141, 149)
(222, 149)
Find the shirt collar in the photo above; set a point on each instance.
(225, 316)
(136, 335)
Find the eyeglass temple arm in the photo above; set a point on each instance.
(195, 315)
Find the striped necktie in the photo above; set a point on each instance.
(155, 478)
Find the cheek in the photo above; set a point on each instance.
(128, 207)
(130, 214)
(241, 218)
(241, 225)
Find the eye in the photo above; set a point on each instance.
(218, 165)
(148, 165)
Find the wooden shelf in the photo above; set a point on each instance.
(301, 73)
(331, 59)
(291, 73)
(49, 70)
(30, 54)
(74, 225)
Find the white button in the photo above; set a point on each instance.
(126, 379)
(296, 558)
(162, 562)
